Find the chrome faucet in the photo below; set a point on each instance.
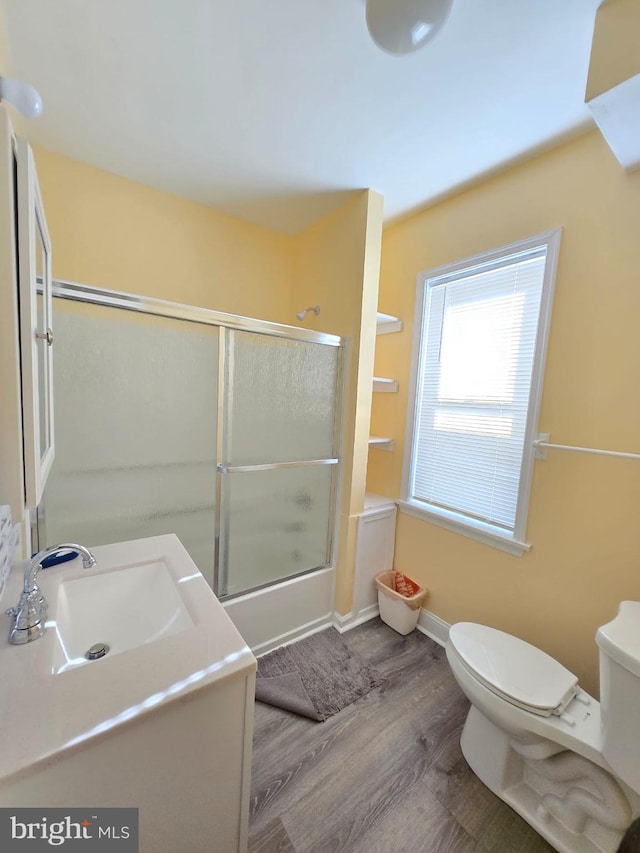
(30, 612)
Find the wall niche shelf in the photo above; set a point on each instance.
(386, 323)
(385, 386)
(381, 442)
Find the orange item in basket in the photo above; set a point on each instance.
(404, 585)
(401, 590)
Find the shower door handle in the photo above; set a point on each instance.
(45, 336)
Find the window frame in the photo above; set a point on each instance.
(513, 543)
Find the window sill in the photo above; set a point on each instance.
(474, 530)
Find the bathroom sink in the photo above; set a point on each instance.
(121, 609)
(168, 637)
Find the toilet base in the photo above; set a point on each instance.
(575, 805)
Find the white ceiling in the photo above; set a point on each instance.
(271, 110)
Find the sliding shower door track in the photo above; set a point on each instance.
(177, 311)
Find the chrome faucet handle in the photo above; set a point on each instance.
(30, 613)
(30, 616)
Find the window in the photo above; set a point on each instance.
(478, 361)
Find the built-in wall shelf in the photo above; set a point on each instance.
(385, 386)
(387, 323)
(381, 442)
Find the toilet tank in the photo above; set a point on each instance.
(619, 645)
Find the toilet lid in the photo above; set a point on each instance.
(518, 671)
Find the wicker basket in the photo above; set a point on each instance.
(399, 599)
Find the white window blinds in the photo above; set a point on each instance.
(473, 384)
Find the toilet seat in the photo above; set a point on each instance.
(518, 672)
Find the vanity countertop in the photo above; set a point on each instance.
(43, 713)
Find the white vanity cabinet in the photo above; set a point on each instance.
(162, 723)
(26, 333)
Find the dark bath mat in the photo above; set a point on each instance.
(316, 677)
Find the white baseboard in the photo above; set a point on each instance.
(342, 623)
(433, 626)
(428, 623)
(351, 620)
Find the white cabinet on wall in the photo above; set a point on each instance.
(26, 335)
(36, 328)
(374, 551)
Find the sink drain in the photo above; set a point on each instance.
(97, 650)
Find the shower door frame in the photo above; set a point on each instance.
(76, 292)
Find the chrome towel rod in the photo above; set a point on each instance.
(542, 443)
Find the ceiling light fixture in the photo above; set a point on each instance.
(402, 26)
(315, 309)
(22, 96)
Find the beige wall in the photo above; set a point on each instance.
(585, 510)
(614, 52)
(336, 266)
(6, 70)
(5, 55)
(109, 232)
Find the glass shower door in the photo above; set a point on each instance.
(136, 406)
(278, 453)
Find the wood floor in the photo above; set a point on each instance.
(386, 774)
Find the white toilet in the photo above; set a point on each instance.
(570, 765)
